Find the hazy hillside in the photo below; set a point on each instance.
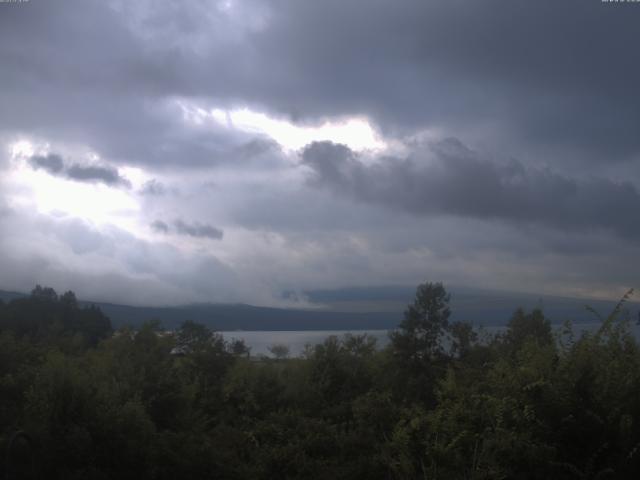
(354, 309)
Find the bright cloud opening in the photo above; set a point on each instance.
(101, 204)
(355, 132)
(98, 203)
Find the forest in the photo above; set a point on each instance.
(443, 400)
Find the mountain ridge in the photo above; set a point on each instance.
(350, 309)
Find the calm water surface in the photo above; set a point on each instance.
(260, 341)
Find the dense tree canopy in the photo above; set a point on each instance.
(80, 401)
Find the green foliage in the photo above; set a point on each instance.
(419, 344)
(426, 321)
(524, 327)
(279, 351)
(46, 318)
(438, 403)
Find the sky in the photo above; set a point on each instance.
(158, 153)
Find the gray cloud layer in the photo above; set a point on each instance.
(160, 226)
(107, 175)
(541, 74)
(55, 165)
(550, 83)
(196, 229)
(52, 163)
(451, 179)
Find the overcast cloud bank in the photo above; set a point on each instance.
(506, 151)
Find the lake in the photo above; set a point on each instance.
(260, 341)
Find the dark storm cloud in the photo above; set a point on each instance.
(112, 86)
(546, 72)
(55, 165)
(551, 83)
(106, 175)
(539, 74)
(198, 230)
(448, 178)
(52, 163)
